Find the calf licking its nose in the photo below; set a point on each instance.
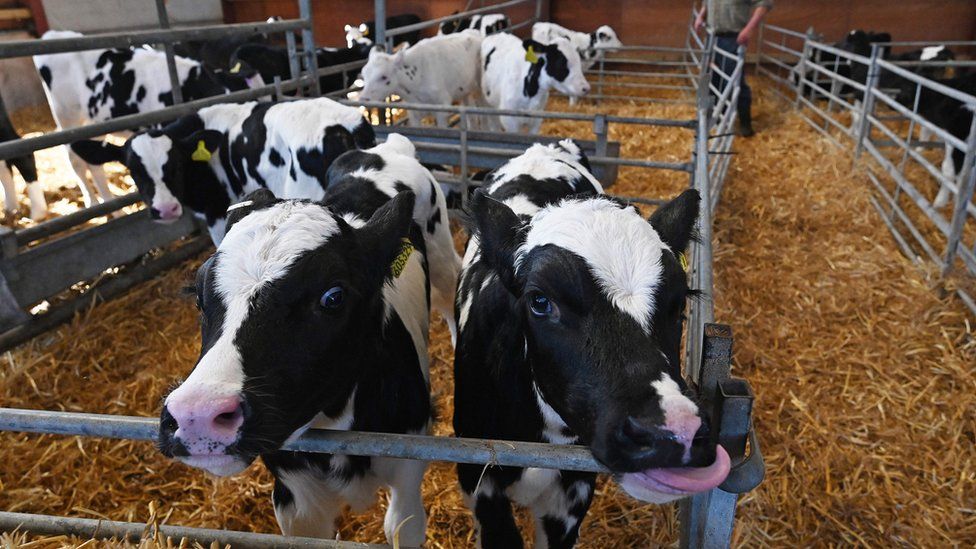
(315, 314)
(570, 318)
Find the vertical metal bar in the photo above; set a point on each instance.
(308, 44)
(538, 12)
(599, 81)
(759, 45)
(379, 7)
(801, 67)
(867, 100)
(463, 127)
(294, 66)
(174, 78)
(966, 183)
(600, 131)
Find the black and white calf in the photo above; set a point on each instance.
(588, 45)
(486, 24)
(28, 171)
(272, 61)
(440, 70)
(949, 114)
(210, 160)
(363, 34)
(315, 315)
(570, 317)
(518, 74)
(96, 85)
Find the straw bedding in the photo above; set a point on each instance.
(865, 379)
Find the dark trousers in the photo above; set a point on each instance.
(727, 65)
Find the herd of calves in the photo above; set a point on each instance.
(472, 61)
(565, 313)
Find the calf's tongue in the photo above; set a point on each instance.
(693, 479)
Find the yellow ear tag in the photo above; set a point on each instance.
(236, 68)
(531, 56)
(201, 154)
(366, 32)
(683, 259)
(400, 262)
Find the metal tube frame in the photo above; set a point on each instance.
(955, 251)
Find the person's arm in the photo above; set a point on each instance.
(746, 33)
(700, 18)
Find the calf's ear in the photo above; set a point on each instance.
(257, 200)
(201, 145)
(499, 233)
(675, 221)
(382, 237)
(97, 152)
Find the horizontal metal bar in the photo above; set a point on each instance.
(782, 30)
(934, 63)
(396, 31)
(638, 74)
(784, 49)
(130, 39)
(649, 62)
(596, 160)
(109, 529)
(64, 222)
(931, 84)
(672, 49)
(920, 120)
(556, 115)
(639, 99)
(27, 145)
(458, 450)
(105, 290)
(645, 86)
(343, 67)
(924, 43)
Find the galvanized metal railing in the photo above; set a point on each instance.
(824, 83)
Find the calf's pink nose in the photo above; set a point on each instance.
(214, 420)
(169, 211)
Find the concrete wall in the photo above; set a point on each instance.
(110, 15)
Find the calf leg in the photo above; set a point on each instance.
(38, 204)
(949, 173)
(305, 505)
(81, 170)
(101, 182)
(9, 190)
(560, 509)
(406, 509)
(444, 262)
(493, 518)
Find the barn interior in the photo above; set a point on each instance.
(849, 295)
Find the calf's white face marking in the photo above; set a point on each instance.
(259, 249)
(154, 152)
(623, 251)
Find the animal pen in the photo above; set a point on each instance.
(45, 262)
(867, 116)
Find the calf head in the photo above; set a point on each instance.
(287, 304)
(600, 293)
(162, 164)
(380, 74)
(358, 36)
(604, 38)
(556, 65)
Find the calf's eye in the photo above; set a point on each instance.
(332, 299)
(540, 305)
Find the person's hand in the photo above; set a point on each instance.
(744, 36)
(700, 20)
